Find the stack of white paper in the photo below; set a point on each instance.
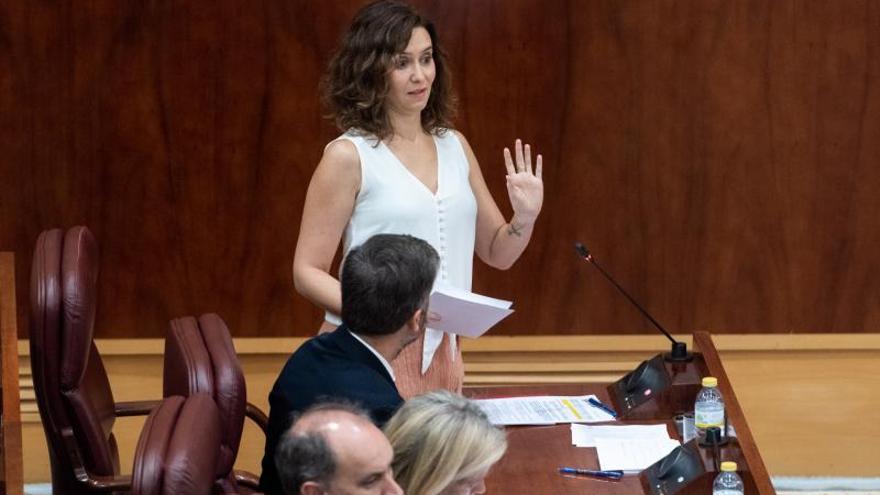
(464, 313)
(632, 455)
(542, 410)
(586, 435)
(625, 447)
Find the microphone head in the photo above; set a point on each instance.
(582, 250)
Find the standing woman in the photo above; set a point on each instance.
(400, 168)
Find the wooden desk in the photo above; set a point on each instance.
(11, 470)
(535, 453)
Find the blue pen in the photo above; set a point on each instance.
(611, 475)
(595, 403)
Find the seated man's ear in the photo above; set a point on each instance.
(417, 322)
(311, 488)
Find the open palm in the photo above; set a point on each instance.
(524, 185)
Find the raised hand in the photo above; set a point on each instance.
(524, 187)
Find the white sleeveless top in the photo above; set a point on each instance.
(392, 200)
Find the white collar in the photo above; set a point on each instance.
(376, 353)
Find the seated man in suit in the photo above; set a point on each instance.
(335, 449)
(386, 283)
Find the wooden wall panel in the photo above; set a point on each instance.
(718, 157)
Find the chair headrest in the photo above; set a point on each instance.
(188, 369)
(45, 288)
(149, 457)
(45, 295)
(229, 385)
(178, 448)
(79, 277)
(200, 357)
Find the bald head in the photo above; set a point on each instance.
(335, 451)
(330, 420)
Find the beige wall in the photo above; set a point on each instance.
(809, 399)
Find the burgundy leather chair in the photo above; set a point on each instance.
(73, 393)
(178, 448)
(200, 358)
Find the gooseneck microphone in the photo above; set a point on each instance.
(679, 349)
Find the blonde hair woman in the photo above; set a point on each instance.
(443, 445)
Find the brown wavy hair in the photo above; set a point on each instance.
(356, 83)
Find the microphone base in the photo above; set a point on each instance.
(722, 441)
(657, 388)
(688, 470)
(714, 436)
(672, 358)
(682, 471)
(679, 354)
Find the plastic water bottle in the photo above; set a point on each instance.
(727, 482)
(709, 407)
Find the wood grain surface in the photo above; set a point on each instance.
(11, 457)
(719, 158)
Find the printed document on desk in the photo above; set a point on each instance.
(632, 455)
(586, 435)
(464, 313)
(542, 410)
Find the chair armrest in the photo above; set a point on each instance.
(135, 408)
(113, 484)
(257, 416)
(92, 482)
(247, 479)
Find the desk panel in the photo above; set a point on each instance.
(535, 453)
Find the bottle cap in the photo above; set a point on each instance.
(710, 381)
(728, 466)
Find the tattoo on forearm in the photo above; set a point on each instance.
(513, 229)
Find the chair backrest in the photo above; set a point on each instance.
(200, 358)
(178, 449)
(72, 390)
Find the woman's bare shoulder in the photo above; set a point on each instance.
(341, 153)
(339, 166)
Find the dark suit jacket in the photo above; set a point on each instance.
(331, 365)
